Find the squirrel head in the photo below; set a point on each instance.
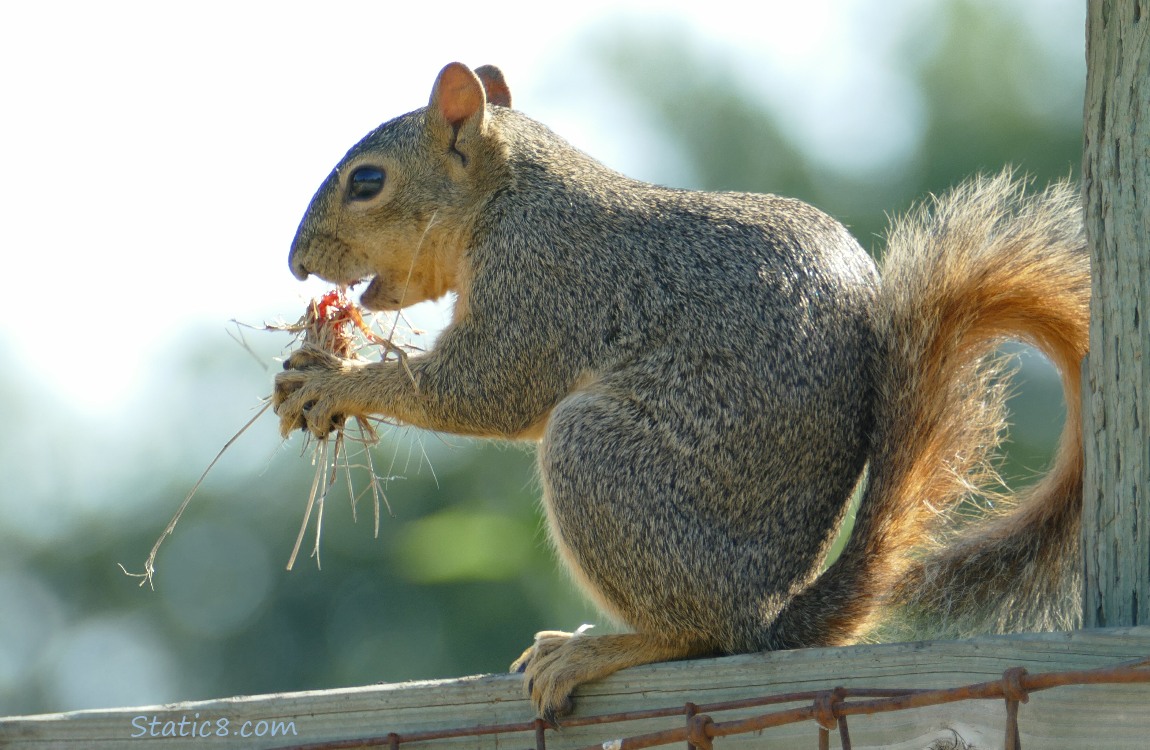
(400, 208)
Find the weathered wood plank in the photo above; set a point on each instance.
(1069, 717)
(1116, 407)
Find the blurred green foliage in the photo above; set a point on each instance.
(462, 575)
(988, 93)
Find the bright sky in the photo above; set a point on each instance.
(156, 157)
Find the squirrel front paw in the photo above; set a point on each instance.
(307, 394)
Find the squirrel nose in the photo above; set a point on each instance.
(297, 268)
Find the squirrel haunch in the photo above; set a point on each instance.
(707, 374)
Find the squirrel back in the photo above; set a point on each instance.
(706, 375)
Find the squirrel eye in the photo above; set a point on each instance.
(365, 183)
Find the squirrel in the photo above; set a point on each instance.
(706, 375)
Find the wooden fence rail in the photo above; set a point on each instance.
(1111, 715)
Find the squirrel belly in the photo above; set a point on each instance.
(707, 375)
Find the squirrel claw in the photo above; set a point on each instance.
(551, 716)
(306, 396)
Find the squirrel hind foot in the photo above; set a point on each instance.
(557, 663)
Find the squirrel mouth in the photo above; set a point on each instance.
(377, 297)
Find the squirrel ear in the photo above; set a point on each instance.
(494, 85)
(457, 94)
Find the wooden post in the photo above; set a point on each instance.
(1116, 185)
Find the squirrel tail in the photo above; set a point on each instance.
(933, 539)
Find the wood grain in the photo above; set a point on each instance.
(1112, 716)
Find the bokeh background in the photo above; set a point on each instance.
(154, 161)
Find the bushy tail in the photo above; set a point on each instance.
(980, 265)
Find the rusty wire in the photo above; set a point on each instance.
(829, 710)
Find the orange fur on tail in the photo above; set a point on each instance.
(980, 265)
